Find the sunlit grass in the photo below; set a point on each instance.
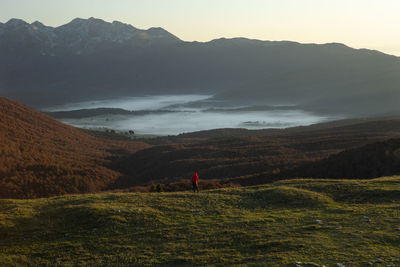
(322, 221)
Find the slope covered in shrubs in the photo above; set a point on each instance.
(369, 161)
(42, 157)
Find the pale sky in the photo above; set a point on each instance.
(373, 24)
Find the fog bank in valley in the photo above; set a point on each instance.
(175, 114)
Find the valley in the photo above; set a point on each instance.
(41, 157)
(199, 133)
(176, 114)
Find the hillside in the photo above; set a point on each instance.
(258, 158)
(326, 222)
(369, 161)
(89, 59)
(41, 157)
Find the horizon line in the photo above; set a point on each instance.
(210, 40)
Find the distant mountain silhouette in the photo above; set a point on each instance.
(42, 157)
(89, 59)
(80, 36)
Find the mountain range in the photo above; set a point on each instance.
(89, 59)
(80, 36)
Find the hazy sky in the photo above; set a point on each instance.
(371, 24)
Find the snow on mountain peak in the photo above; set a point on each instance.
(84, 35)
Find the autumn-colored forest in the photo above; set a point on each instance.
(41, 157)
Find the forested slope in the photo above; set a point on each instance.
(41, 157)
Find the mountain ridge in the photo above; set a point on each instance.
(116, 22)
(96, 60)
(84, 32)
(92, 20)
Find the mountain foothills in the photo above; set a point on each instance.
(91, 58)
(41, 157)
(369, 161)
(264, 156)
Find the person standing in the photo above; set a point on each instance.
(195, 181)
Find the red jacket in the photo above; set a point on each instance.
(195, 178)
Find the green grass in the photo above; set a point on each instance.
(271, 225)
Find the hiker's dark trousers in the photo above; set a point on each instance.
(195, 187)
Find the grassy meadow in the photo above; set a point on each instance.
(289, 223)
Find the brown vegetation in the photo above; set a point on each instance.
(370, 161)
(40, 157)
(247, 160)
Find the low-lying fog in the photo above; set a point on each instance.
(133, 103)
(175, 114)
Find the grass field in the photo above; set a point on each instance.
(325, 222)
